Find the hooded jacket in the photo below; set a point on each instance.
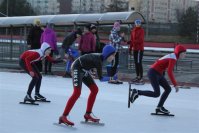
(31, 56)
(49, 36)
(168, 62)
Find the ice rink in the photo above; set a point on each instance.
(110, 107)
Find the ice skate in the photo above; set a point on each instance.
(90, 117)
(39, 97)
(64, 120)
(161, 110)
(134, 95)
(28, 100)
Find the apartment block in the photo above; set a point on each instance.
(161, 11)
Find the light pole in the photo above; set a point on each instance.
(197, 32)
(80, 6)
(7, 5)
(147, 19)
(197, 38)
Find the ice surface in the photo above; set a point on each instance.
(110, 107)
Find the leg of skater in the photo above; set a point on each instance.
(154, 79)
(89, 82)
(77, 84)
(31, 84)
(167, 89)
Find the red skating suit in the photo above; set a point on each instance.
(168, 62)
(32, 56)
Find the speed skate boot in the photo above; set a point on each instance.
(39, 97)
(134, 95)
(64, 120)
(161, 110)
(28, 98)
(90, 117)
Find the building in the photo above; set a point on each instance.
(161, 11)
(65, 6)
(87, 6)
(45, 7)
(93, 6)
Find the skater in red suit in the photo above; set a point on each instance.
(28, 61)
(157, 79)
(80, 73)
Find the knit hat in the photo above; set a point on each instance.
(107, 51)
(116, 25)
(37, 22)
(78, 31)
(138, 22)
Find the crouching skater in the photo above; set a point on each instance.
(28, 61)
(157, 79)
(80, 73)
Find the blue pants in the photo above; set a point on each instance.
(74, 53)
(157, 80)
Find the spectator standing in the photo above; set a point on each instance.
(33, 39)
(49, 36)
(115, 40)
(87, 42)
(137, 45)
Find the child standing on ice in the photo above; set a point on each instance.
(28, 61)
(157, 79)
(80, 73)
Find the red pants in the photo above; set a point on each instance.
(76, 93)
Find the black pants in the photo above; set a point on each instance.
(157, 80)
(115, 63)
(48, 64)
(39, 65)
(36, 80)
(138, 55)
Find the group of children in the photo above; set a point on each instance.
(80, 72)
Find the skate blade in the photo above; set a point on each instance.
(160, 114)
(185, 87)
(64, 125)
(45, 101)
(129, 96)
(92, 123)
(33, 103)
